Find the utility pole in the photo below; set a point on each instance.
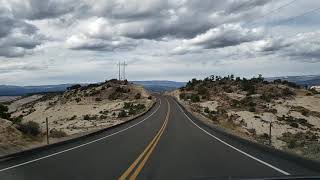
(119, 64)
(124, 70)
(47, 127)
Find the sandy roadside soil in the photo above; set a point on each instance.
(260, 122)
(23, 100)
(13, 141)
(8, 98)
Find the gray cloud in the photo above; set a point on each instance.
(41, 9)
(17, 37)
(223, 36)
(304, 46)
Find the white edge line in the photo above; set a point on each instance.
(81, 145)
(240, 151)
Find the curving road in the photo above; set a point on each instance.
(165, 143)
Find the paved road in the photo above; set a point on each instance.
(162, 144)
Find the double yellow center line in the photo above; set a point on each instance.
(146, 153)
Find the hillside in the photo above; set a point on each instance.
(80, 109)
(246, 107)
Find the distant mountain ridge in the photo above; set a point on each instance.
(307, 80)
(160, 85)
(9, 90)
(152, 85)
(155, 86)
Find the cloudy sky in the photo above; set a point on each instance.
(67, 41)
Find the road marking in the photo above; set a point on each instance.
(240, 151)
(146, 153)
(81, 145)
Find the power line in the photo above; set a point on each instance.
(290, 18)
(241, 5)
(301, 15)
(272, 11)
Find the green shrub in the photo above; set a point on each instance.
(202, 90)
(304, 112)
(182, 95)
(140, 106)
(98, 99)
(78, 100)
(17, 120)
(86, 117)
(73, 117)
(292, 143)
(122, 90)
(252, 109)
(207, 110)
(309, 94)
(287, 92)
(195, 98)
(213, 117)
(113, 96)
(247, 85)
(295, 125)
(127, 105)
(89, 117)
(137, 96)
(76, 86)
(149, 97)
(4, 112)
(227, 89)
(272, 110)
(235, 103)
(57, 133)
(30, 128)
(267, 97)
(122, 114)
(132, 111)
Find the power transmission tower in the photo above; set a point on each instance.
(124, 64)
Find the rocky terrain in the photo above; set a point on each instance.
(247, 107)
(79, 110)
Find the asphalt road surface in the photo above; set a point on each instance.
(165, 143)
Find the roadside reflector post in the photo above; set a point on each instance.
(47, 127)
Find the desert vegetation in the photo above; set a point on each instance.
(80, 109)
(246, 107)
